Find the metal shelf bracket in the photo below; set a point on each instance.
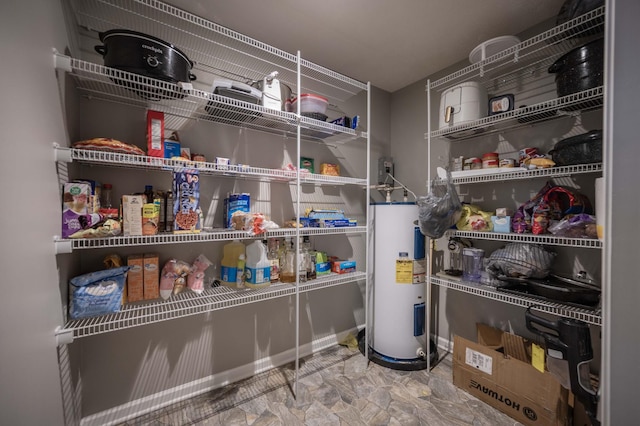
(62, 246)
(64, 336)
(61, 62)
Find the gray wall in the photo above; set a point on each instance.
(31, 121)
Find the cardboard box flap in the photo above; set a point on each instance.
(516, 347)
(489, 336)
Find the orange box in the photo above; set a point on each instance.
(151, 276)
(135, 287)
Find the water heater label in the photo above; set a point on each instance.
(404, 271)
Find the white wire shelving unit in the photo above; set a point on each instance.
(216, 51)
(591, 316)
(189, 303)
(508, 72)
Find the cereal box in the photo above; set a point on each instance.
(155, 134)
(75, 203)
(235, 203)
(186, 203)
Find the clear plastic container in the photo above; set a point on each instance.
(258, 267)
(229, 263)
(310, 103)
(472, 264)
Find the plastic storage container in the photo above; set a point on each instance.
(472, 264)
(229, 263)
(258, 267)
(310, 103)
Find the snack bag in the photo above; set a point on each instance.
(195, 279)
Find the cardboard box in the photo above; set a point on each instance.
(512, 386)
(151, 276)
(171, 149)
(155, 134)
(75, 203)
(135, 279)
(235, 203)
(342, 266)
(132, 214)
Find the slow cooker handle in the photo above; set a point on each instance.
(102, 50)
(557, 66)
(192, 77)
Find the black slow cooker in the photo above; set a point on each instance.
(145, 55)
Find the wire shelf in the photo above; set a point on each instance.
(189, 303)
(186, 103)
(549, 240)
(559, 309)
(549, 110)
(115, 159)
(504, 174)
(201, 237)
(212, 47)
(530, 58)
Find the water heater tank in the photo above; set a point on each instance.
(398, 282)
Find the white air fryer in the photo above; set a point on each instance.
(463, 103)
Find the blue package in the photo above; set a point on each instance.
(96, 293)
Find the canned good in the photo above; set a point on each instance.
(198, 157)
(490, 160)
(472, 163)
(507, 162)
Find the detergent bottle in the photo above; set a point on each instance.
(229, 264)
(258, 269)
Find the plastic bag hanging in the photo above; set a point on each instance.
(440, 209)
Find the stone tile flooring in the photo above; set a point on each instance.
(335, 387)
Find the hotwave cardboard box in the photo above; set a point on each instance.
(506, 383)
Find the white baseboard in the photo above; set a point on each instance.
(159, 400)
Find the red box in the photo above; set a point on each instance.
(155, 134)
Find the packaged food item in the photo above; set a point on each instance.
(171, 149)
(329, 169)
(150, 218)
(135, 278)
(235, 203)
(96, 293)
(173, 277)
(342, 266)
(490, 160)
(155, 134)
(151, 276)
(75, 199)
(186, 206)
(132, 214)
(307, 164)
(195, 279)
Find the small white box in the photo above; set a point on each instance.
(132, 214)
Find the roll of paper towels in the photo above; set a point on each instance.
(600, 207)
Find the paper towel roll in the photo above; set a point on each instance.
(600, 207)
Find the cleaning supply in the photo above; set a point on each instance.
(229, 263)
(258, 269)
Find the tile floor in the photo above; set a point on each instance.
(335, 387)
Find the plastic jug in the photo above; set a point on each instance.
(258, 269)
(229, 264)
(472, 264)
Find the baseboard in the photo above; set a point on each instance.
(159, 400)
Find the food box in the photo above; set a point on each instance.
(132, 214)
(235, 203)
(329, 169)
(336, 223)
(96, 293)
(506, 383)
(151, 276)
(186, 202)
(155, 134)
(171, 149)
(342, 266)
(151, 218)
(75, 203)
(306, 163)
(135, 278)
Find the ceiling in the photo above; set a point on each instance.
(389, 43)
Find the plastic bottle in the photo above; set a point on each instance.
(229, 264)
(258, 269)
(106, 205)
(288, 267)
(240, 274)
(302, 262)
(274, 259)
